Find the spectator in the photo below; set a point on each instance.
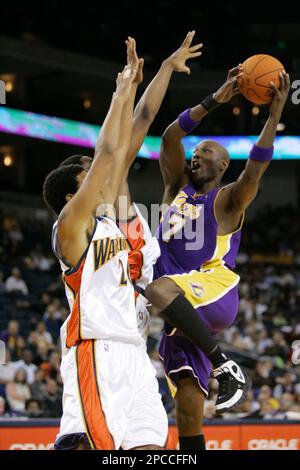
(262, 373)
(15, 284)
(287, 400)
(27, 364)
(52, 402)
(42, 333)
(10, 338)
(4, 412)
(42, 355)
(37, 388)
(20, 347)
(54, 361)
(7, 371)
(33, 409)
(17, 392)
(52, 322)
(278, 347)
(40, 261)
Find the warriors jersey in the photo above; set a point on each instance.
(99, 290)
(144, 251)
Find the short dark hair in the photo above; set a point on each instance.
(72, 160)
(58, 184)
(32, 400)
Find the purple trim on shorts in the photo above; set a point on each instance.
(178, 352)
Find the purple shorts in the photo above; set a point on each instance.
(181, 356)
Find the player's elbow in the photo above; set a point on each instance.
(251, 180)
(146, 114)
(169, 134)
(105, 148)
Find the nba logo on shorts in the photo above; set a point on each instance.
(197, 289)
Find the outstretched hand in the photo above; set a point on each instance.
(178, 59)
(280, 94)
(133, 60)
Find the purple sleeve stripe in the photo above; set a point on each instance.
(260, 154)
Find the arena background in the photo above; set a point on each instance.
(58, 60)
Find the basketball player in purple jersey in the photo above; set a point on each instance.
(200, 277)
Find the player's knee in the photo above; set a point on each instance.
(162, 292)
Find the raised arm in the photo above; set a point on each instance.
(236, 197)
(151, 100)
(76, 220)
(172, 156)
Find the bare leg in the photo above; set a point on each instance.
(189, 407)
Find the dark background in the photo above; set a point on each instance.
(59, 54)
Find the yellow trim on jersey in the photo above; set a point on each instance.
(242, 217)
(205, 287)
(222, 242)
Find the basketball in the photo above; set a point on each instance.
(259, 70)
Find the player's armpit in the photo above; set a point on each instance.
(76, 220)
(73, 237)
(233, 200)
(237, 196)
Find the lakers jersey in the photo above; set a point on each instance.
(99, 290)
(188, 235)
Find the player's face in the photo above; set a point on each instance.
(205, 163)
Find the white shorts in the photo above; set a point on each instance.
(111, 394)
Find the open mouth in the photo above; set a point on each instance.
(196, 164)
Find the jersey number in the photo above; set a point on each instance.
(123, 278)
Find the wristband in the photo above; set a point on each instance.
(186, 123)
(209, 103)
(260, 154)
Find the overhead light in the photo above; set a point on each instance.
(87, 103)
(236, 111)
(255, 110)
(9, 86)
(280, 126)
(8, 160)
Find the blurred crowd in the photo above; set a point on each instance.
(33, 308)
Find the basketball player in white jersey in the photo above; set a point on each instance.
(144, 249)
(111, 397)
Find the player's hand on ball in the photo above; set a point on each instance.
(230, 88)
(178, 59)
(280, 95)
(133, 60)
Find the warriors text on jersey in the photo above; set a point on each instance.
(99, 289)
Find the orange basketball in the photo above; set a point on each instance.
(259, 70)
